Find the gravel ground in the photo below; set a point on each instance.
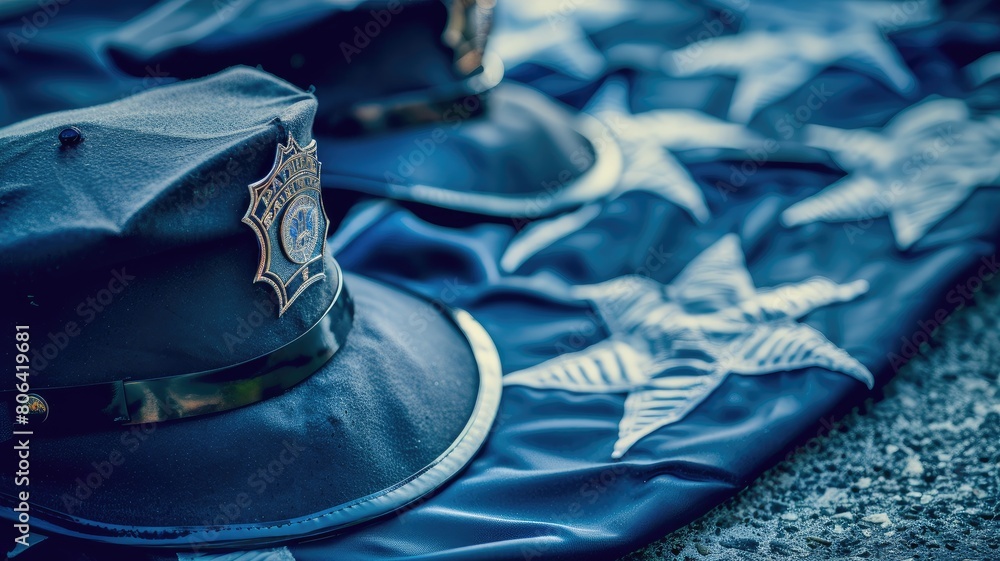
(912, 476)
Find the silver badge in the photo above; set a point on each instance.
(286, 213)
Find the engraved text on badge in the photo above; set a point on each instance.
(286, 213)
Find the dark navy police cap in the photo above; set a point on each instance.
(191, 338)
(410, 107)
(357, 54)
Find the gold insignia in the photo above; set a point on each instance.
(286, 213)
(37, 406)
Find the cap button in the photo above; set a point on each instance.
(70, 136)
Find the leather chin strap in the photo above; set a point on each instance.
(130, 402)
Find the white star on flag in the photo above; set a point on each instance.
(925, 163)
(644, 139)
(553, 33)
(672, 345)
(783, 45)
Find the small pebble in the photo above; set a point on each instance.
(881, 518)
(913, 466)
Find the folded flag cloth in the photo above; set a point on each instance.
(668, 341)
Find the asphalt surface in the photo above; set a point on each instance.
(912, 476)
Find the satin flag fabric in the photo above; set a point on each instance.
(862, 216)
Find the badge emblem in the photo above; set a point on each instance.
(286, 213)
(37, 406)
